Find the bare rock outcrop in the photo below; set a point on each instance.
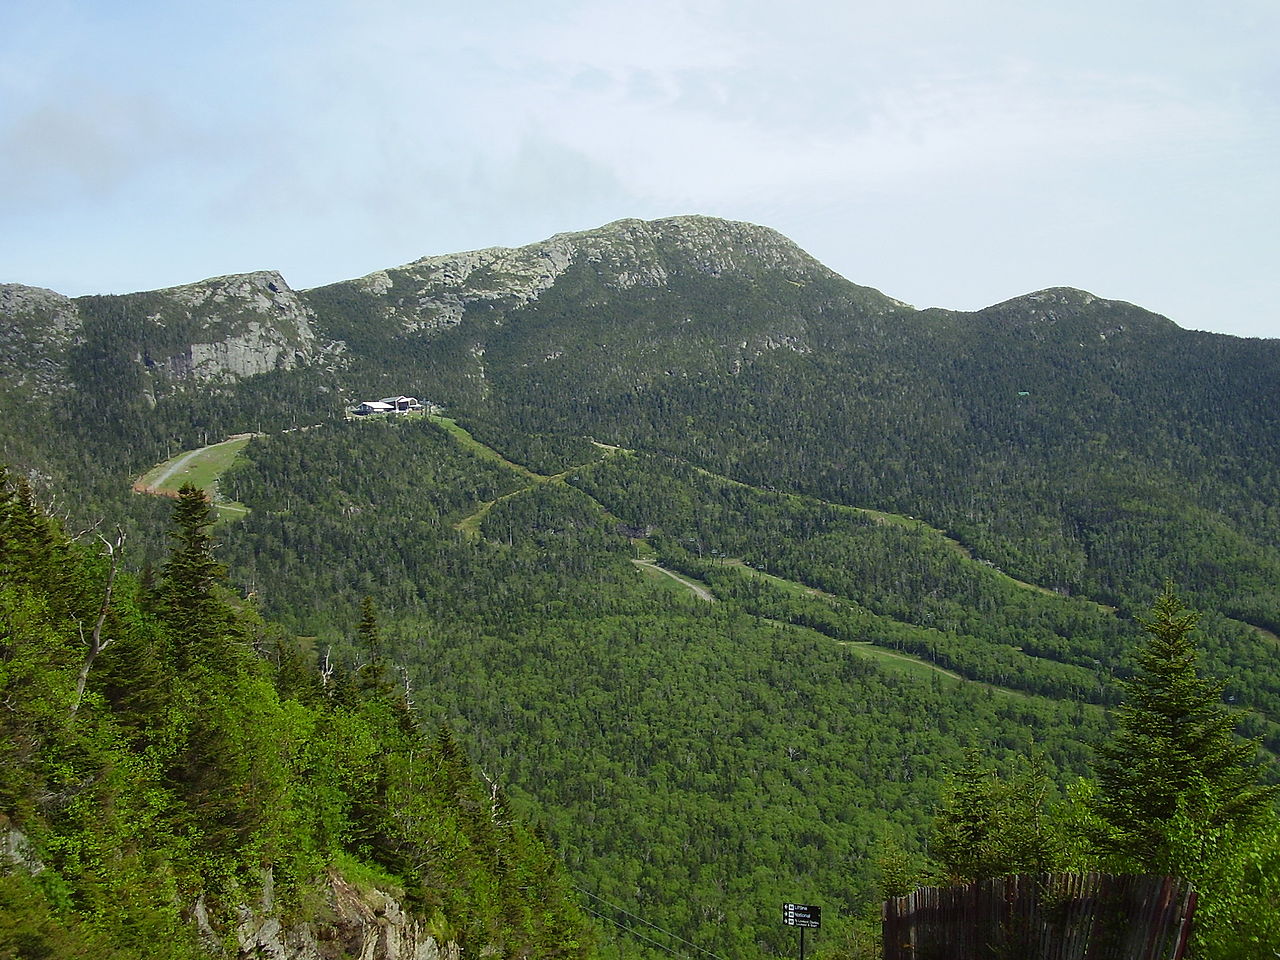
(240, 326)
(354, 924)
(16, 851)
(37, 327)
(435, 292)
(221, 329)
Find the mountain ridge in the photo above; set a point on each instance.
(229, 327)
(716, 245)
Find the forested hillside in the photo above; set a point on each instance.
(922, 531)
(696, 762)
(177, 776)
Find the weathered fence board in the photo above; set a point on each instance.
(1061, 916)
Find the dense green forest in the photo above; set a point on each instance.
(166, 754)
(1175, 793)
(925, 532)
(696, 762)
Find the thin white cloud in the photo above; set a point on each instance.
(338, 136)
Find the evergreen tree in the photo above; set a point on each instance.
(992, 825)
(1173, 763)
(190, 574)
(367, 631)
(32, 549)
(371, 677)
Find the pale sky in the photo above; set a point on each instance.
(951, 154)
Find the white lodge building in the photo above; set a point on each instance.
(389, 405)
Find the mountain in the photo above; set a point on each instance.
(224, 328)
(923, 529)
(1018, 427)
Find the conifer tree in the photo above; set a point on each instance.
(367, 631)
(372, 674)
(1173, 760)
(992, 825)
(31, 549)
(190, 574)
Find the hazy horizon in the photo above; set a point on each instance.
(949, 158)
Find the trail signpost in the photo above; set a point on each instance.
(802, 915)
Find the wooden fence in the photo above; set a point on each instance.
(1061, 916)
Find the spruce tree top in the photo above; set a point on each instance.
(1173, 752)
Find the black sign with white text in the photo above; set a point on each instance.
(801, 915)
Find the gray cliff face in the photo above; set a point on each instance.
(221, 329)
(238, 326)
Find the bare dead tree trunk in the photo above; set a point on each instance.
(495, 790)
(94, 641)
(408, 687)
(326, 670)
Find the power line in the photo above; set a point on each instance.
(634, 933)
(674, 936)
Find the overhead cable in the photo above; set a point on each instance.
(674, 936)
